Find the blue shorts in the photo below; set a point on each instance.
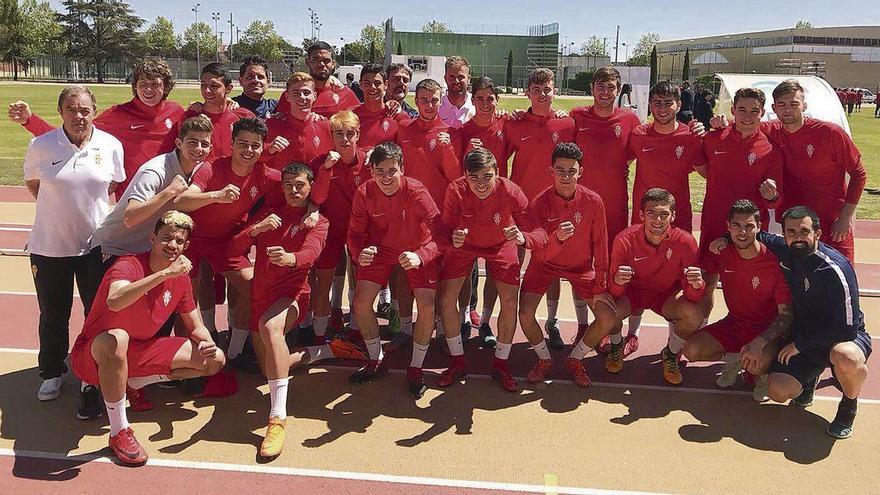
(807, 366)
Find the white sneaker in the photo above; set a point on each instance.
(50, 389)
(761, 393)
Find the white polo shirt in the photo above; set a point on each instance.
(73, 199)
(454, 116)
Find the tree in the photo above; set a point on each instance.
(160, 39)
(686, 65)
(372, 52)
(372, 34)
(199, 36)
(803, 25)
(642, 52)
(437, 27)
(27, 30)
(399, 48)
(99, 31)
(260, 38)
(510, 72)
(594, 47)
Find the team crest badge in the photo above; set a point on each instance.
(98, 158)
(669, 254)
(293, 230)
(497, 218)
(755, 282)
(555, 137)
(432, 144)
(317, 141)
(385, 126)
(679, 150)
(403, 214)
(168, 123)
(810, 150)
(752, 158)
(618, 130)
(254, 192)
(577, 218)
(500, 134)
(166, 297)
(357, 181)
(335, 98)
(806, 283)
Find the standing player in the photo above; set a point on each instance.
(331, 95)
(376, 125)
(393, 223)
(758, 301)
(298, 135)
(456, 108)
(487, 218)
(253, 75)
(650, 263)
(532, 138)
(119, 343)
(140, 124)
(576, 250)
(399, 76)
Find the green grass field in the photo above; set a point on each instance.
(43, 100)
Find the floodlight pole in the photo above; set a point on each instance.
(195, 26)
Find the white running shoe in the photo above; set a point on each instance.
(50, 389)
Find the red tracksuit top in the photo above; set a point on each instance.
(327, 102)
(533, 138)
(334, 190)
(377, 127)
(425, 159)
(493, 136)
(308, 139)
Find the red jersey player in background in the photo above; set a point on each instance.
(650, 263)
(119, 344)
(486, 217)
(758, 300)
(376, 125)
(577, 250)
(140, 124)
(298, 135)
(393, 223)
(331, 95)
(532, 139)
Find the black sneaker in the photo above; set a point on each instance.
(806, 397)
(90, 406)
(487, 338)
(415, 383)
(382, 310)
(554, 340)
(373, 370)
(170, 384)
(842, 426)
(465, 332)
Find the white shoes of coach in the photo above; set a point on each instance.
(50, 389)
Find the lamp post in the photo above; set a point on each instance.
(215, 16)
(342, 40)
(745, 52)
(195, 26)
(672, 66)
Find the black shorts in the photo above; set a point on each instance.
(807, 366)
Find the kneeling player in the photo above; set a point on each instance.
(758, 300)
(393, 222)
(650, 263)
(484, 212)
(576, 250)
(118, 344)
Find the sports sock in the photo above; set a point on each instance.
(278, 398)
(384, 295)
(676, 343)
(374, 348)
(418, 355)
(139, 382)
(582, 312)
(306, 320)
(336, 289)
(406, 325)
(320, 325)
(616, 338)
(236, 342)
(456, 348)
(552, 306)
(502, 350)
(580, 350)
(208, 319)
(116, 415)
(319, 353)
(634, 324)
(541, 350)
(486, 317)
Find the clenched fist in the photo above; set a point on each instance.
(179, 266)
(566, 230)
(409, 260)
(280, 143)
(367, 255)
(332, 158)
(271, 222)
(177, 187)
(228, 194)
(623, 275)
(19, 112)
(458, 237)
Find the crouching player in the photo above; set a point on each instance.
(393, 222)
(286, 251)
(119, 345)
(576, 250)
(484, 213)
(650, 263)
(758, 300)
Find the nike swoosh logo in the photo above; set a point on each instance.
(56, 163)
(378, 214)
(431, 280)
(524, 138)
(639, 259)
(583, 128)
(728, 271)
(553, 219)
(647, 149)
(720, 152)
(405, 141)
(136, 126)
(466, 215)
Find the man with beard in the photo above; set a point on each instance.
(456, 108)
(254, 79)
(399, 76)
(331, 95)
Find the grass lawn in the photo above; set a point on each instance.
(43, 100)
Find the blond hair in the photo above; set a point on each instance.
(175, 219)
(299, 77)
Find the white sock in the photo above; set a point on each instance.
(236, 342)
(116, 415)
(384, 295)
(374, 348)
(552, 306)
(465, 314)
(455, 346)
(208, 319)
(320, 325)
(616, 338)
(278, 398)
(139, 382)
(633, 325)
(502, 350)
(319, 353)
(486, 317)
(676, 343)
(306, 321)
(580, 351)
(406, 325)
(581, 310)
(336, 289)
(418, 355)
(541, 350)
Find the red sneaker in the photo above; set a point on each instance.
(138, 400)
(604, 346)
(502, 375)
(415, 383)
(456, 371)
(373, 370)
(576, 369)
(336, 323)
(475, 318)
(630, 344)
(127, 448)
(539, 372)
(582, 329)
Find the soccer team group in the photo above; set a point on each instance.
(406, 200)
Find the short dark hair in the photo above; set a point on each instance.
(744, 207)
(479, 158)
(786, 87)
(386, 151)
(665, 89)
(373, 69)
(428, 85)
(254, 125)
(396, 67)
(483, 83)
(297, 168)
(799, 212)
(567, 150)
(750, 93)
(253, 60)
(658, 195)
(218, 70)
(607, 74)
(196, 123)
(320, 45)
(349, 77)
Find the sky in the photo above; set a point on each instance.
(578, 19)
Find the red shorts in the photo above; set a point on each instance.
(503, 263)
(539, 276)
(261, 304)
(145, 357)
(379, 271)
(216, 254)
(733, 333)
(640, 300)
(330, 255)
(845, 247)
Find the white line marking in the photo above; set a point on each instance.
(19, 351)
(14, 229)
(320, 473)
